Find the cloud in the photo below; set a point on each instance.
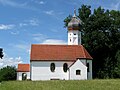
(10, 61)
(24, 5)
(51, 12)
(39, 37)
(43, 39)
(34, 22)
(30, 22)
(39, 2)
(15, 33)
(11, 3)
(23, 24)
(23, 47)
(115, 6)
(111, 6)
(38, 34)
(56, 15)
(54, 30)
(54, 42)
(6, 27)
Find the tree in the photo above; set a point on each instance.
(101, 37)
(8, 73)
(1, 53)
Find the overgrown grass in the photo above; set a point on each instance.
(112, 84)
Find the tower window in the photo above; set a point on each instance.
(52, 67)
(74, 33)
(65, 67)
(70, 40)
(78, 72)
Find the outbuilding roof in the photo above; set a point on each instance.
(23, 68)
(58, 52)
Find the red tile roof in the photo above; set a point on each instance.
(58, 52)
(23, 68)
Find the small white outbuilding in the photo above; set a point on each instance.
(23, 72)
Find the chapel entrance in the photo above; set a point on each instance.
(24, 76)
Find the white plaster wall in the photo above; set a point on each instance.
(71, 36)
(19, 75)
(78, 65)
(90, 69)
(83, 61)
(89, 74)
(40, 70)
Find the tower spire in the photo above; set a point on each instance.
(74, 33)
(74, 13)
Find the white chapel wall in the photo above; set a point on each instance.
(40, 70)
(89, 76)
(19, 75)
(78, 65)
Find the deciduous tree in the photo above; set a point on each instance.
(101, 37)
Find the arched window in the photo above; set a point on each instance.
(65, 67)
(78, 72)
(52, 67)
(24, 76)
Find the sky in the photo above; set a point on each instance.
(26, 22)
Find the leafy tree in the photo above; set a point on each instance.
(8, 73)
(101, 37)
(67, 20)
(1, 53)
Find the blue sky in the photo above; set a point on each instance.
(26, 22)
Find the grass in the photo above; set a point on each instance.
(108, 84)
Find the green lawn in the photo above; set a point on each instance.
(108, 84)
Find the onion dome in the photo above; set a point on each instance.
(74, 24)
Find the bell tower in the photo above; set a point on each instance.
(74, 33)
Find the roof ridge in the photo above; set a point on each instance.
(23, 64)
(51, 44)
(56, 45)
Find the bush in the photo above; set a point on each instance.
(8, 73)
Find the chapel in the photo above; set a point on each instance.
(59, 62)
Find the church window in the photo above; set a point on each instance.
(65, 67)
(52, 67)
(70, 40)
(78, 72)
